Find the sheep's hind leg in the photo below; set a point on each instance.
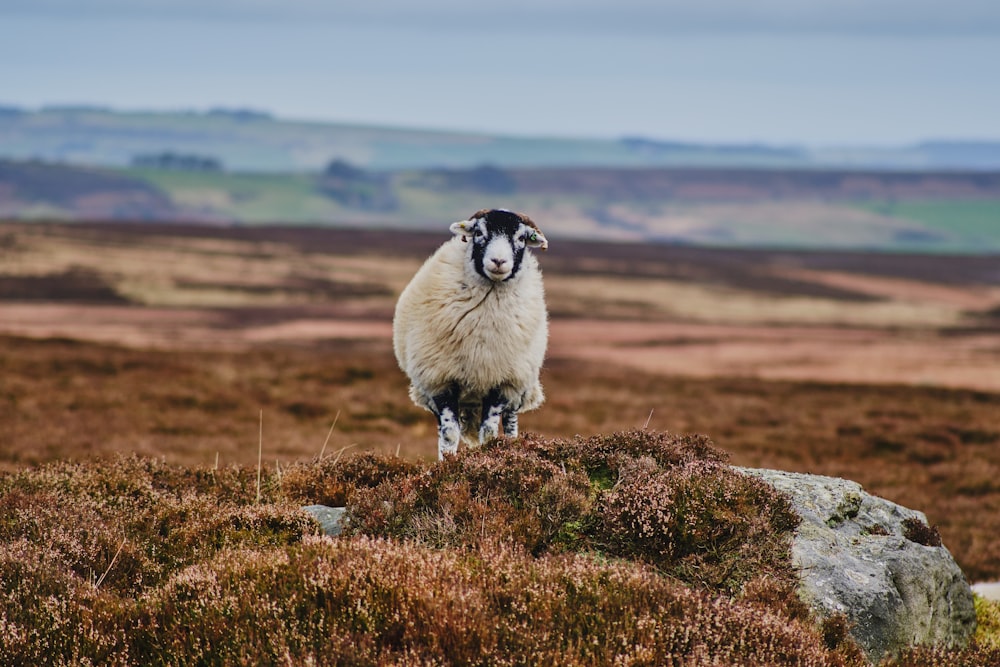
(494, 408)
(510, 424)
(449, 426)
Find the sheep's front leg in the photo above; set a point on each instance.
(449, 426)
(494, 408)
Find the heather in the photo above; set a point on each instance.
(662, 500)
(928, 448)
(633, 548)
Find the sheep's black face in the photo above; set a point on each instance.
(499, 238)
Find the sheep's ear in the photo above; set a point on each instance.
(536, 240)
(462, 228)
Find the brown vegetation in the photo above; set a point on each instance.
(816, 362)
(926, 448)
(138, 562)
(506, 559)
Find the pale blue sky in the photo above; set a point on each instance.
(823, 72)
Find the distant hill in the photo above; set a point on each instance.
(944, 211)
(40, 190)
(249, 140)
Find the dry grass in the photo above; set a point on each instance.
(69, 399)
(173, 270)
(652, 299)
(927, 448)
(988, 618)
(156, 265)
(846, 317)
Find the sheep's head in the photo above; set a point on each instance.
(499, 238)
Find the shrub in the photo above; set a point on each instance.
(500, 492)
(776, 595)
(603, 456)
(147, 518)
(49, 616)
(333, 481)
(365, 601)
(536, 492)
(702, 522)
(692, 517)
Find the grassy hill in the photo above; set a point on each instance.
(523, 551)
(896, 211)
(74, 163)
(259, 142)
(253, 141)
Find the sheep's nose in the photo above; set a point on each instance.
(499, 263)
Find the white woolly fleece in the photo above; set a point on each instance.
(452, 325)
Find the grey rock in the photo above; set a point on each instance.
(331, 519)
(853, 558)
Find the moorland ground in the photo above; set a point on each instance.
(169, 341)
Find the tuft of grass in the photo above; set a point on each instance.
(987, 622)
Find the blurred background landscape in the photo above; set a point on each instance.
(837, 126)
(247, 167)
(775, 226)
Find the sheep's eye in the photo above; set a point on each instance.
(533, 237)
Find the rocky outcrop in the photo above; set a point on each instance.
(331, 519)
(877, 563)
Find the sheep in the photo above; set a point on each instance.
(471, 328)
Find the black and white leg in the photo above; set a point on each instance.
(494, 407)
(510, 424)
(449, 426)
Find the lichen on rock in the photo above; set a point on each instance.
(857, 555)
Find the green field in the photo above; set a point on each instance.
(974, 221)
(924, 225)
(248, 197)
(945, 212)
